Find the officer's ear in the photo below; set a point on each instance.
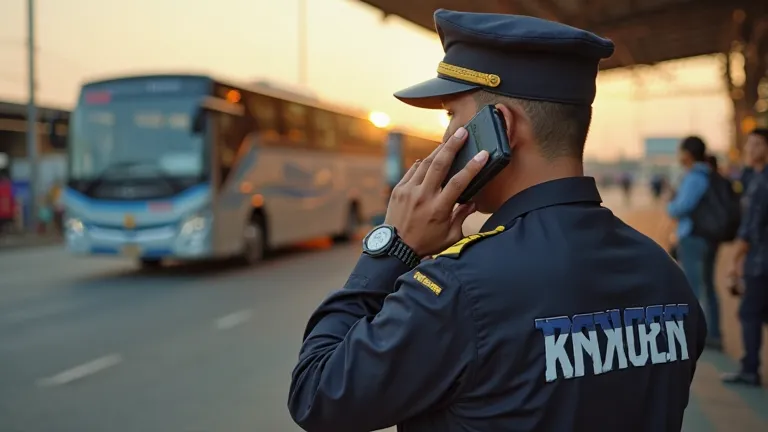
(512, 117)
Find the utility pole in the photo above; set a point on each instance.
(302, 33)
(32, 118)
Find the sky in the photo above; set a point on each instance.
(355, 58)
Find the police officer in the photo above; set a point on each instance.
(749, 260)
(556, 317)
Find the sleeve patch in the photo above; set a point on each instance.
(455, 250)
(427, 282)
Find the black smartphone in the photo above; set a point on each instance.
(486, 131)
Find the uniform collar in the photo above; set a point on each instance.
(554, 192)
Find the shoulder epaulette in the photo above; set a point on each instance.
(455, 250)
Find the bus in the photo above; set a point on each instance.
(188, 167)
(403, 149)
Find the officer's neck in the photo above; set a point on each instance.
(528, 173)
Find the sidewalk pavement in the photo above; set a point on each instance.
(18, 241)
(717, 407)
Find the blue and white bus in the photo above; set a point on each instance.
(190, 167)
(403, 149)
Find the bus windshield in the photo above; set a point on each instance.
(136, 138)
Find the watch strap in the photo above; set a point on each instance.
(404, 253)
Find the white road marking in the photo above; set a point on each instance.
(82, 371)
(234, 319)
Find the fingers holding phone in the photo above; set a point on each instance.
(486, 134)
(422, 210)
(445, 158)
(457, 184)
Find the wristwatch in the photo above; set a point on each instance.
(384, 241)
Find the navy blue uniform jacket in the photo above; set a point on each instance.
(557, 317)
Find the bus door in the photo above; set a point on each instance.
(229, 137)
(303, 196)
(329, 206)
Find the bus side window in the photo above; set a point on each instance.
(227, 144)
(361, 131)
(345, 138)
(265, 110)
(295, 120)
(350, 134)
(376, 137)
(325, 129)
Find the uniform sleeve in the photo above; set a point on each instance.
(363, 369)
(692, 188)
(745, 223)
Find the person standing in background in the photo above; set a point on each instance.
(751, 260)
(694, 251)
(657, 186)
(744, 177)
(626, 187)
(7, 203)
(57, 204)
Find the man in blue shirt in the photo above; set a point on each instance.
(696, 254)
(751, 259)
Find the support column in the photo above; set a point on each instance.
(749, 53)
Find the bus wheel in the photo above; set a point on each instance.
(351, 226)
(254, 241)
(150, 263)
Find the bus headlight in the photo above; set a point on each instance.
(193, 224)
(75, 226)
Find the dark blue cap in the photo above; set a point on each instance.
(512, 55)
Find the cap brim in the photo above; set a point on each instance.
(431, 93)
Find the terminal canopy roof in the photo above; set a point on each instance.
(644, 31)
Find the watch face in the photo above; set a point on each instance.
(378, 239)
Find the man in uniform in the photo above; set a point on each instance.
(750, 260)
(556, 317)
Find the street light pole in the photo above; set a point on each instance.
(32, 117)
(302, 33)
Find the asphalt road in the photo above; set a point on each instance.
(92, 344)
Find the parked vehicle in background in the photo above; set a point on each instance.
(191, 167)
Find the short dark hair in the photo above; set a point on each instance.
(696, 147)
(712, 160)
(762, 133)
(560, 129)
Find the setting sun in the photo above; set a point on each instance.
(379, 119)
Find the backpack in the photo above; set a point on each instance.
(718, 214)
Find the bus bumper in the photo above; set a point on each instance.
(148, 243)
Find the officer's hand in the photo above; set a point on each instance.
(421, 211)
